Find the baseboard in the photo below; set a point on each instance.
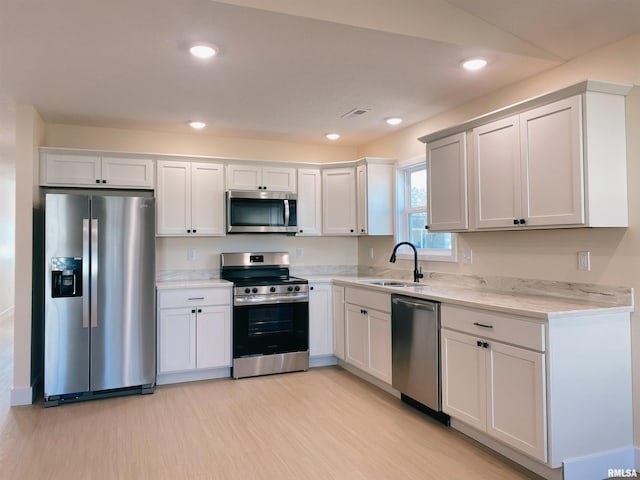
(612, 464)
(322, 361)
(21, 396)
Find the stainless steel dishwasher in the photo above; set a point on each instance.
(415, 340)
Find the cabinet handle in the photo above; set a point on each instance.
(479, 343)
(522, 221)
(193, 310)
(104, 181)
(482, 325)
(515, 221)
(97, 181)
(485, 345)
(195, 298)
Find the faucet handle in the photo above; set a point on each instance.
(420, 275)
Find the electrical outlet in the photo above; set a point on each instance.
(191, 254)
(584, 261)
(299, 252)
(467, 256)
(371, 253)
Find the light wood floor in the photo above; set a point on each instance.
(322, 424)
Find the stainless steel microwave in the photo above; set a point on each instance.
(261, 212)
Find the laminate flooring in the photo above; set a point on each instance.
(321, 424)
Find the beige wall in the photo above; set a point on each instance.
(29, 134)
(7, 219)
(548, 254)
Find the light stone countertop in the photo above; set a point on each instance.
(567, 300)
(203, 283)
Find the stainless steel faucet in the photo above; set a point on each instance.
(417, 274)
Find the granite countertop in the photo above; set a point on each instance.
(535, 298)
(193, 283)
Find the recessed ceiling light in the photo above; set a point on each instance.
(197, 125)
(332, 136)
(203, 51)
(393, 120)
(474, 64)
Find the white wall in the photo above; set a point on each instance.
(7, 214)
(546, 254)
(29, 134)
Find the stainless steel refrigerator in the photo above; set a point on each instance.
(99, 327)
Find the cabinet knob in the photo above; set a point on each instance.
(522, 221)
(97, 181)
(193, 310)
(194, 230)
(485, 345)
(264, 187)
(479, 343)
(362, 230)
(104, 181)
(426, 227)
(199, 310)
(351, 230)
(188, 231)
(310, 288)
(301, 231)
(515, 221)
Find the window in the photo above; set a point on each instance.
(412, 216)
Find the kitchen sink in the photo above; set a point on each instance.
(388, 283)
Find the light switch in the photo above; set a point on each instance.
(191, 254)
(584, 261)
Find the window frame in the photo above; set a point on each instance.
(403, 171)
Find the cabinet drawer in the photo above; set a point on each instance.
(196, 297)
(368, 298)
(494, 325)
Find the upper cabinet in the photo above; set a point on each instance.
(375, 180)
(552, 162)
(190, 198)
(309, 201)
(79, 169)
(339, 201)
(447, 184)
(260, 177)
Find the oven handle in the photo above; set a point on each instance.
(272, 299)
(286, 213)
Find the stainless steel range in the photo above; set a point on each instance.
(270, 314)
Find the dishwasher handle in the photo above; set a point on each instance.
(415, 303)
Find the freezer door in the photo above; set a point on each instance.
(123, 290)
(66, 323)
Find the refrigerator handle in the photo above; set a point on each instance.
(94, 272)
(85, 272)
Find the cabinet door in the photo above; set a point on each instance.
(447, 184)
(497, 175)
(339, 201)
(356, 336)
(173, 198)
(380, 345)
(70, 169)
(320, 321)
(127, 172)
(338, 321)
(517, 399)
(551, 152)
(463, 378)
(309, 202)
(361, 203)
(213, 337)
(279, 179)
(244, 177)
(176, 340)
(207, 199)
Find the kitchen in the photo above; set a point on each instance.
(547, 255)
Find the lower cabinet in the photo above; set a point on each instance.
(492, 386)
(194, 333)
(320, 321)
(368, 332)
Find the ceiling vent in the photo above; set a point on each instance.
(356, 112)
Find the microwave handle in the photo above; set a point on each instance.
(286, 213)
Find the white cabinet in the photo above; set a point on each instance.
(190, 198)
(194, 333)
(320, 319)
(95, 170)
(309, 201)
(494, 386)
(528, 168)
(375, 197)
(339, 201)
(368, 332)
(260, 177)
(447, 184)
(338, 321)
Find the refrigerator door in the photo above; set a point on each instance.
(123, 292)
(66, 324)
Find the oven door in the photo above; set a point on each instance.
(269, 328)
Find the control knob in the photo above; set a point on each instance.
(297, 289)
(254, 290)
(272, 289)
(247, 290)
(289, 289)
